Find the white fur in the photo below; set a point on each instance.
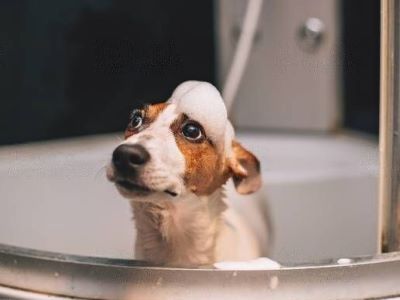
(193, 231)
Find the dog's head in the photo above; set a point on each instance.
(185, 145)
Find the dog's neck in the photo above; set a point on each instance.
(180, 231)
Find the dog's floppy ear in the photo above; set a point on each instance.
(245, 169)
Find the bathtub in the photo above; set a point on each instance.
(319, 199)
(64, 230)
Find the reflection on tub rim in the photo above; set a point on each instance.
(103, 278)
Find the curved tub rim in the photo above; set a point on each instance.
(74, 276)
(44, 255)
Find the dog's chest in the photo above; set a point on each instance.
(181, 233)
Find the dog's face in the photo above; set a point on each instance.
(182, 146)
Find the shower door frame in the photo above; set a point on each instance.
(389, 130)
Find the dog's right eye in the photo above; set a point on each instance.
(136, 120)
(193, 132)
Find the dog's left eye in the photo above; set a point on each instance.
(192, 131)
(136, 120)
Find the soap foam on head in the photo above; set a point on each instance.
(202, 102)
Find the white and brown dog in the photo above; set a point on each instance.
(172, 166)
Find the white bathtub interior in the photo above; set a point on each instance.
(320, 195)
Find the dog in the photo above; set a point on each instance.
(172, 165)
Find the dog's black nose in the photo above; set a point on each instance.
(128, 157)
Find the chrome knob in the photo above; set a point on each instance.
(311, 34)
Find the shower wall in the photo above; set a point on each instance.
(314, 65)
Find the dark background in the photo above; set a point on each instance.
(361, 25)
(77, 67)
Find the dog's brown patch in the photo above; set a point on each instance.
(153, 111)
(205, 169)
(149, 114)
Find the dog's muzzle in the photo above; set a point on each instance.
(127, 161)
